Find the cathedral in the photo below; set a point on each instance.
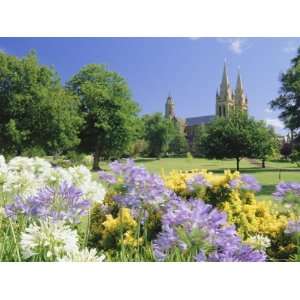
(227, 100)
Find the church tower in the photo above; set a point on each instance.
(225, 98)
(241, 101)
(170, 108)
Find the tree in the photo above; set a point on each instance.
(36, 112)
(110, 114)
(286, 150)
(197, 141)
(159, 131)
(178, 144)
(230, 137)
(266, 142)
(288, 100)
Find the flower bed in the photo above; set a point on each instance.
(128, 214)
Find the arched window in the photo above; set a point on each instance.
(224, 113)
(220, 111)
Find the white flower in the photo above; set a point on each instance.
(50, 240)
(57, 176)
(82, 179)
(84, 255)
(24, 176)
(80, 175)
(259, 242)
(93, 191)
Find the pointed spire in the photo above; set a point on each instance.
(225, 80)
(241, 100)
(225, 90)
(239, 83)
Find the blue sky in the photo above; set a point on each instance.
(188, 68)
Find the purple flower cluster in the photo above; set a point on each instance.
(108, 178)
(246, 182)
(65, 203)
(285, 188)
(192, 216)
(139, 187)
(196, 182)
(293, 227)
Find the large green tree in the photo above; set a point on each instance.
(159, 132)
(36, 112)
(230, 137)
(288, 100)
(199, 133)
(178, 144)
(111, 121)
(265, 141)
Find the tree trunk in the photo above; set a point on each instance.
(96, 158)
(237, 163)
(263, 165)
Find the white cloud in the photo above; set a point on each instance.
(291, 47)
(194, 38)
(235, 45)
(275, 123)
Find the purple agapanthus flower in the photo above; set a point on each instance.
(293, 227)
(285, 188)
(195, 216)
(245, 182)
(250, 183)
(107, 177)
(65, 203)
(196, 182)
(139, 186)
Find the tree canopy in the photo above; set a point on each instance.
(288, 100)
(110, 114)
(159, 132)
(266, 142)
(230, 137)
(36, 112)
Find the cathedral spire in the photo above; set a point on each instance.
(225, 90)
(239, 83)
(225, 81)
(241, 101)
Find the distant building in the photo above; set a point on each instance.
(226, 101)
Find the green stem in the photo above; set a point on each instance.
(15, 240)
(87, 230)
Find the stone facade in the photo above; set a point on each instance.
(226, 101)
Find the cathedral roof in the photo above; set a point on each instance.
(199, 120)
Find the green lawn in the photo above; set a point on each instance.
(274, 172)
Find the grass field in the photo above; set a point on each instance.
(274, 172)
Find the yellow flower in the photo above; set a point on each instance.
(123, 220)
(129, 240)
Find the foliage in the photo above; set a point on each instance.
(286, 150)
(178, 144)
(295, 157)
(139, 147)
(36, 112)
(232, 137)
(159, 132)
(197, 145)
(288, 101)
(110, 114)
(266, 142)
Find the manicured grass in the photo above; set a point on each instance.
(274, 172)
